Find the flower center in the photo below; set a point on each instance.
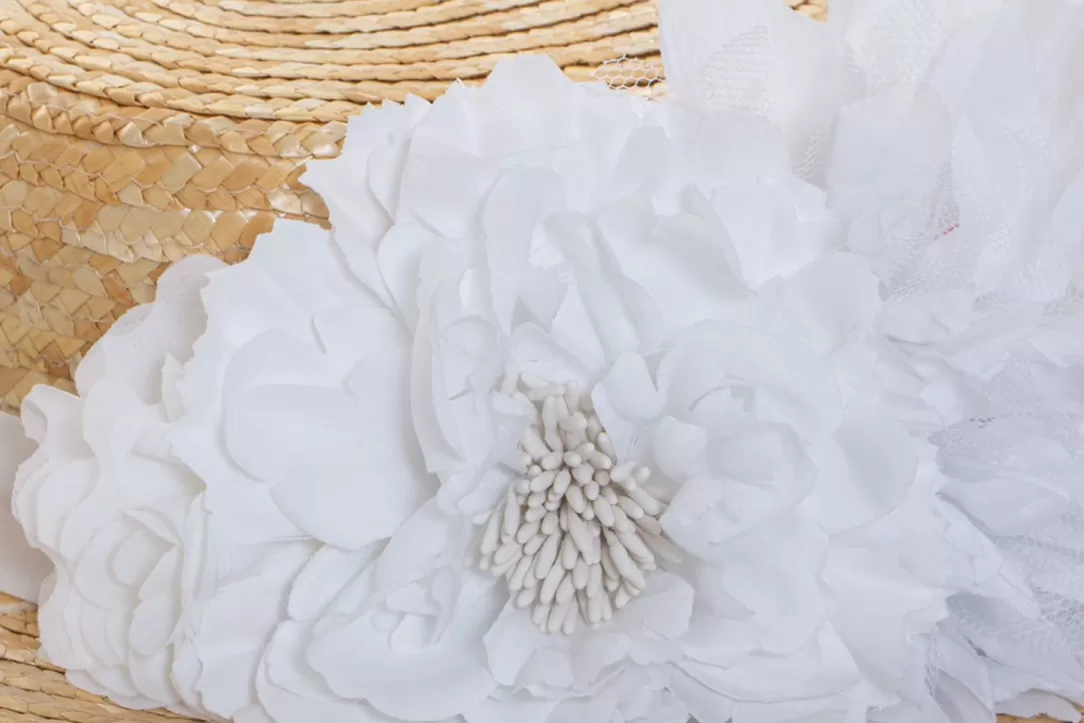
(575, 536)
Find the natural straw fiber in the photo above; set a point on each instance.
(135, 132)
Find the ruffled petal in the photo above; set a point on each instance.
(324, 576)
(682, 261)
(774, 575)
(362, 490)
(790, 386)
(233, 632)
(821, 669)
(866, 474)
(416, 681)
(515, 206)
(357, 202)
(762, 476)
(880, 607)
(511, 642)
(892, 145)
(136, 345)
(524, 707)
(290, 692)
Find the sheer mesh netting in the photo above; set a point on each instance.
(904, 37)
(737, 76)
(639, 75)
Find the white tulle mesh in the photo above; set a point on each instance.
(899, 39)
(904, 243)
(630, 74)
(737, 75)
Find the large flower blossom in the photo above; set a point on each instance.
(577, 414)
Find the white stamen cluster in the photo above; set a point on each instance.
(576, 534)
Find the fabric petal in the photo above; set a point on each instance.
(291, 693)
(866, 474)
(439, 680)
(360, 492)
(323, 577)
(233, 632)
(790, 385)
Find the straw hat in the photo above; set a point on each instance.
(134, 132)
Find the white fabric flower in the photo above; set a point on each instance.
(593, 409)
(359, 406)
(576, 414)
(621, 249)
